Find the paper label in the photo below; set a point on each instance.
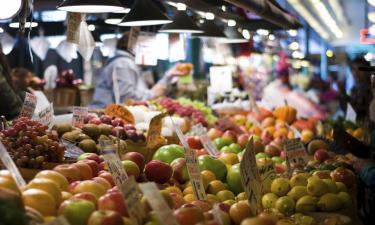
(250, 178)
(154, 138)
(29, 105)
(351, 115)
(60, 220)
(11, 167)
(120, 112)
(127, 185)
(295, 152)
(192, 166)
(45, 116)
(158, 204)
(216, 212)
(268, 174)
(200, 130)
(73, 27)
(79, 114)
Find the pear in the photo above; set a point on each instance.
(332, 188)
(316, 186)
(299, 179)
(306, 203)
(62, 128)
(105, 129)
(269, 200)
(341, 187)
(297, 192)
(88, 145)
(329, 202)
(345, 199)
(285, 205)
(280, 186)
(71, 136)
(91, 130)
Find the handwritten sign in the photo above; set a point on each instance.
(79, 114)
(201, 131)
(267, 174)
(250, 178)
(73, 27)
(127, 185)
(158, 204)
(120, 112)
(295, 152)
(45, 116)
(154, 138)
(192, 166)
(29, 105)
(11, 167)
(351, 115)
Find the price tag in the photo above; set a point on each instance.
(45, 116)
(154, 138)
(216, 211)
(192, 166)
(351, 115)
(267, 174)
(295, 152)
(158, 204)
(250, 178)
(11, 167)
(60, 220)
(29, 105)
(201, 131)
(73, 27)
(79, 114)
(120, 112)
(127, 185)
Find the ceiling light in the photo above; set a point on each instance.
(371, 2)
(246, 34)
(145, 13)
(114, 18)
(293, 33)
(1, 30)
(91, 27)
(27, 25)
(124, 11)
(311, 20)
(201, 20)
(182, 24)
(297, 55)
(209, 16)
(181, 6)
(233, 36)
(211, 30)
(271, 37)
(224, 8)
(262, 32)
(324, 14)
(91, 6)
(294, 46)
(329, 53)
(9, 8)
(231, 23)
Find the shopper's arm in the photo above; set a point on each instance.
(10, 102)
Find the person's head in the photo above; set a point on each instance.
(358, 74)
(21, 78)
(122, 43)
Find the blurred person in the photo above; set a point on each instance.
(11, 101)
(121, 79)
(21, 79)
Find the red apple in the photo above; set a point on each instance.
(136, 157)
(95, 120)
(242, 140)
(224, 207)
(70, 172)
(214, 133)
(113, 201)
(194, 142)
(93, 165)
(85, 171)
(105, 217)
(108, 176)
(178, 200)
(189, 216)
(231, 135)
(280, 168)
(117, 122)
(203, 205)
(266, 137)
(283, 155)
(103, 182)
(158, 171)
(88, 118)
(91, 156)
(321, 155)
(106, 119)
(86, 196)
(180, 172)
(345, 176)
(272, 150)
(73, 185)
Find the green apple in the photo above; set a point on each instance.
(221, 142)
(261, 155)
(234, 179)
(207, 162)
(131, 168)
(76, 211)
(227, 149)
(277, 159)
(168, 153)
(235, 147)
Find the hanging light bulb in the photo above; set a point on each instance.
(231, 23)
(182, 24)
(209, 16)
(91, 6)
(9, 8)
(246, 34)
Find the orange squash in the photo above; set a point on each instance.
(285, 113)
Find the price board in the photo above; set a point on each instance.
(79, 114)
(295, 152)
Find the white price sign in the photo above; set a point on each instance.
(206, 141)
(45, 116)
(29, 105)
(79, 114)
(11, 167)
(295, 152)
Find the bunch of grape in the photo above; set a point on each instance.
(31, 145)
(175, 107)
(201, 107)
